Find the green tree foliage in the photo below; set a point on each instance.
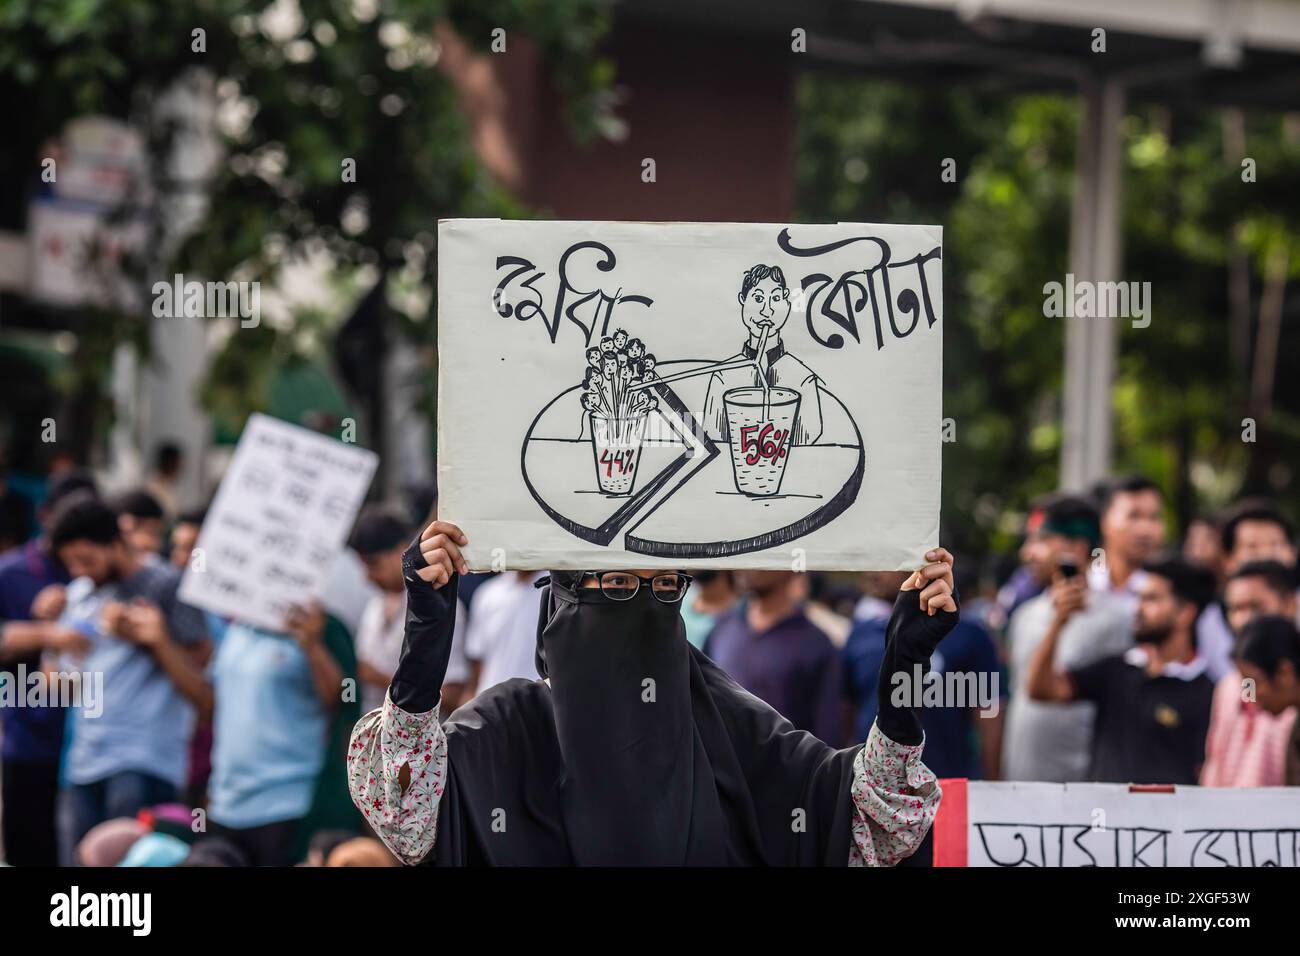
(870, 150)
(303, 86)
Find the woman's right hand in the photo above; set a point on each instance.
(438, 553)
(429, 565)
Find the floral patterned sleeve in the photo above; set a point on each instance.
(383, 742)
(895, 798)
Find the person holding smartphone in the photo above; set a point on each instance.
(633, 748)
(1047, 741)
(1153, 701)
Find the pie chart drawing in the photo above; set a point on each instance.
(684, 502)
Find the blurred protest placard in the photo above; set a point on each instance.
(638, 395)
(279, 519)
(987, 823)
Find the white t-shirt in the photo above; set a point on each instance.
(503, 628)
(347, 590)
(871, 608)
(379, 643)
(1099, 580)
(1214, 642)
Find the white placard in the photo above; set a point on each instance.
(1096, 824)
(279, 519)
(774, 397)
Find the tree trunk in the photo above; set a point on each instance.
(1234, 150)
(1265, 368)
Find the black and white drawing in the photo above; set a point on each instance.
(736, 440)
(712, 414)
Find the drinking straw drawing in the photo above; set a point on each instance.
(654, 379)
(762, 376)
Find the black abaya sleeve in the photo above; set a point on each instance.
(910, 641)
(426, 648)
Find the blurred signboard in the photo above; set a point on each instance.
(278, 521)
(84, 223)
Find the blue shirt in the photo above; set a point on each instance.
(31, 734)
(145, 723)
(793, 666)
(699, 624)
(268, 729)
(951, 745)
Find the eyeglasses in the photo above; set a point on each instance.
(667, 588)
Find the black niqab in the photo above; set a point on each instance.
(640, 752)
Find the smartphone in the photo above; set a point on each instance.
(1068, 567)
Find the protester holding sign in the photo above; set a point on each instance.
(660, 757)
(276, 694)
(668, 395)
(379, 539)
(282, 684)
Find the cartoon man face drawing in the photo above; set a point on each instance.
(764, 301)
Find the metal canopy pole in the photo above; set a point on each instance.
(1096, 256)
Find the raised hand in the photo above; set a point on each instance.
(436, 556)
(914, 632)
(934, 581)
(306, 625)
(1069, 597)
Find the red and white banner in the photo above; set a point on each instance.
(983, 823)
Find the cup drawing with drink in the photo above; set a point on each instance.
(763, 401)
(760, 421)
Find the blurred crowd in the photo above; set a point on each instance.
(1104, 655)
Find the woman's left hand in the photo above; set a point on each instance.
(934, 581)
